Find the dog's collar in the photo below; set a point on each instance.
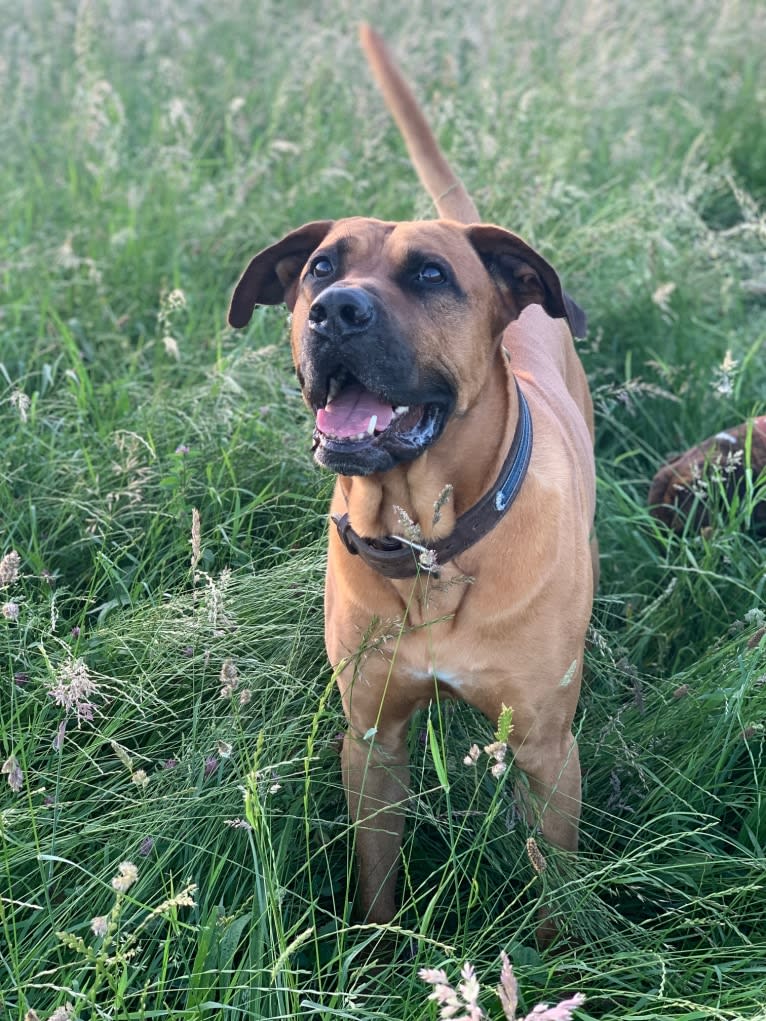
(394, 558)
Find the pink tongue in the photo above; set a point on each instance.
(351, 411)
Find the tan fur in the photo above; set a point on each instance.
(509, 637)
(514, 633)
(505, 622)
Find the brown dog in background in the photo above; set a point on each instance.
(713, 471)
(438, 359)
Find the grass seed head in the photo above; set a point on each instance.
(14, 772)
(58, 740)
(536, 857)
(508, 990)
(9, 569)
(20, 401)
(196, 539)
(72, 690)
(440, 501)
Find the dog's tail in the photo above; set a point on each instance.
(439, 180)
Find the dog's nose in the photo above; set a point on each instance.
(342, 311)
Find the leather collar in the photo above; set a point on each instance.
(394, 558)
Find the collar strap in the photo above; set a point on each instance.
(394, 558)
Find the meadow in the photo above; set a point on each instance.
(174, 837)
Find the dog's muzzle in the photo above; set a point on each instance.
(374, 405)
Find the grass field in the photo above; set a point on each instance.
(177, 719)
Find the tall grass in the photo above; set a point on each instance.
(146, 150)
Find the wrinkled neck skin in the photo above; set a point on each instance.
(486, 430)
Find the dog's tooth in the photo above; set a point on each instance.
(402, 409)
(333, 390)
(371, 425)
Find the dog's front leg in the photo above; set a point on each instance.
(376, 777)
(553, 772)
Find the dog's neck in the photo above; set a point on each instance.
(430, 492)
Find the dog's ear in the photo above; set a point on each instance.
(272, 275)
(523, 277)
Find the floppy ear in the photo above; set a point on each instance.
(523, 277)
(272, 274)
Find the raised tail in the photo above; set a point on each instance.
(437, 177)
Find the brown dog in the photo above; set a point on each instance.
(438, 359)
(714, 470)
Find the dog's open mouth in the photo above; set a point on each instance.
(354, 413)
(359, 432)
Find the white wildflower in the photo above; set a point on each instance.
(497, 750)
(11, 611)
(171, 347)
(473, 756)
(64, 1013)
(127, 874)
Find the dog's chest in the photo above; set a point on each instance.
(435, 601)
(435, 635)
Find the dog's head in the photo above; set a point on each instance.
(394, 325)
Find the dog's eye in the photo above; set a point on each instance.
(321, 267)
(430, 273)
